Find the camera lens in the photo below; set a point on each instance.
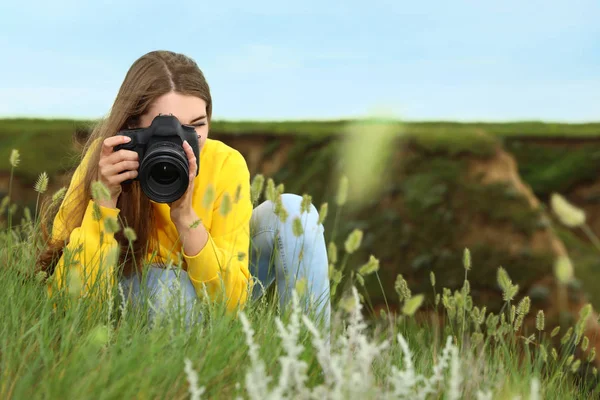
(164, 173)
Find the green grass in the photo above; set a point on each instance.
(52, 138)
(549, 169)
(63, 346)
(11, 126)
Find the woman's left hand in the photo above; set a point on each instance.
(182, 211)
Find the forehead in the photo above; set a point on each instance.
(185, 107)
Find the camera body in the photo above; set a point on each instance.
(164, 168)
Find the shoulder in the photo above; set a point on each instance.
(222, 166)
(222, 156)
(213, 147)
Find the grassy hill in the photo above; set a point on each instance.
(46, 144)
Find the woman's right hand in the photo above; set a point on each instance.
(112, 165)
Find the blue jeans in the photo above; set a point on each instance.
(277, 255)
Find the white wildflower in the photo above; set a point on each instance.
(192, 378)
(455, 376)
(293, 371)
(110, 318)
(535, 389)
(405, 381)
(487, 395)
(348, 365)
(438, 370)
(257, 380)
(361, 378)
(123, 306)
(348, 371)
(323, 350)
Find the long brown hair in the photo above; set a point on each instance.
(150, 76)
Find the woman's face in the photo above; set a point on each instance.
(189, 110)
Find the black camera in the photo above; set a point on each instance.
(164, 168)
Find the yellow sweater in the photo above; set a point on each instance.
(222, 265)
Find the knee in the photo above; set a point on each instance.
(312, 230)
(293, 204)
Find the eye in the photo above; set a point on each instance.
(196, 124)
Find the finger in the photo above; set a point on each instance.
(119, 167)
(120, 178)
(191, 159)
(121, 155)
(109, 143)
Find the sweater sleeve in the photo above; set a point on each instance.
(87, 264)
(222, 265)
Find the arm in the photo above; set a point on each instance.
(193, 236)
(219, 258)
(88, 259)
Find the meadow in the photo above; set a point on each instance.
(65, 346)
(55, 136)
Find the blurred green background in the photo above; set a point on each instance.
(445, 186)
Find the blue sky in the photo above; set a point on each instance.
(421, 60)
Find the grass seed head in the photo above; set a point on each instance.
(563, 269)
(467, 259)
(412, 305)
(41, 185)
(370, 266)
(306, 204)
(256, 187)
(592, 355)
(585, 343)
(402, 289)
(544, 353)
(111, 225)
(225, 207)
(567, 336)
(59, 195)
(15, 158)
(100, 191)
(297, 228)
(323, 212)
(280, 210)
(130, 234)
(332, 253)
(270, 191)
(342, 193)
(353, 241)
(540, 320)
(568, 214)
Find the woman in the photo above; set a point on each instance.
(212, 235)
